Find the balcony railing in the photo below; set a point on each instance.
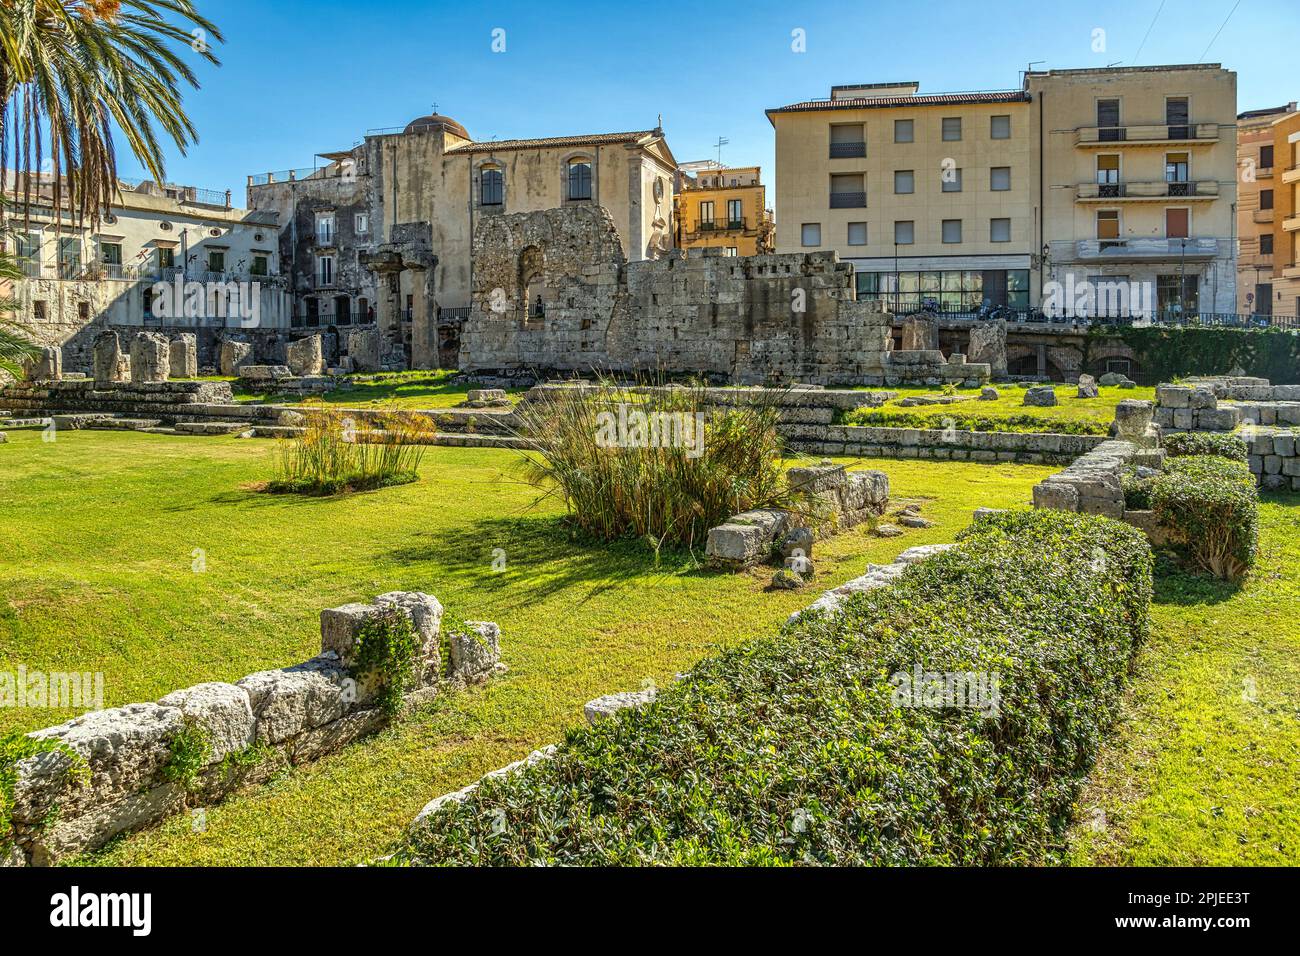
(1198, 189)
(848, 200)
(324, 237)
(848, 150)
(1291, 224)
(1291, 174)
(1140, 135)
(1144, 248)
(721, 225)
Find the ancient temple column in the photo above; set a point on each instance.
(424, 324)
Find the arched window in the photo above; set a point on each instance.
(491, 187)
(579, 179)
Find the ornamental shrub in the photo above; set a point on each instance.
(1213, 506)
(797, 748)
(1220, 444)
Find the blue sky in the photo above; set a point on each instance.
(302, 77)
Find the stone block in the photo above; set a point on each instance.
(1056, 496)
(222, 710)
(1042, 396)
(150, 358)
(1173, 396)
(602, 708)
(111, 365)
(1087, 387)
(296, 699)
(475, 651)
(305, 357)
(184, 354)
(234, 356)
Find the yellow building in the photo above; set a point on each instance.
(961, 199)
(931, 197)
(1256, 198)
(722, 207)
(1286, 223)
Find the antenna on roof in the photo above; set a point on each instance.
(722, 141)
(1116, 63)
(1029, 68)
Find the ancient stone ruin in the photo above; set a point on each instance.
(184, 356)
(554, 291)
(111, 365)
(150, 358)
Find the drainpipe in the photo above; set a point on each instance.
(1042, 204)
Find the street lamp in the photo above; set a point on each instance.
(1182, 280)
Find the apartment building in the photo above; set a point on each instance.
(959, 199)
(931, 197)
(1140, 180)
(722, 207)
(1256, 200)
(76, 273)
(1286, 224)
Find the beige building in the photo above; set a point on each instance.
(1140, 180)
(931, 197)
(1257, 193)
(383, 232)
(77, 274)
(959, 199)
(1286, 226)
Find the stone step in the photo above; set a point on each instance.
(212, 428)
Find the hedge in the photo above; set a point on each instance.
(1213, 506)
(1164, 353)
(793, 749)
(1220, 444)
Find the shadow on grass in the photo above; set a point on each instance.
(539, 556)
(1176, 585)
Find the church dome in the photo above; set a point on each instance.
(436, 121)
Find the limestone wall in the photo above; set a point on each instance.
(115, 770)
(747, 320)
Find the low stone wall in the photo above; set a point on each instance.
(940, 444)
(1092, 484)
(123, 775)
(144, 399)
(839, 499)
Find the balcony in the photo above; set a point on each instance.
(1198, 134)
(848, 200)
(848, 150)
(1291, 271)
(1292, 224)
(720, 226)
(1261, 216)
(325, 238)
(1200, 190)
(1141, 249)
(1260, 260)
(1291, 174)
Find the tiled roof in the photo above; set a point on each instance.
(881, 102)
(595, 139)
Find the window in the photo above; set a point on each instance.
(1266, 199)
(1177, 223)
(952, 230)
(166, 258)
(999, 127)
(848, 191)
(110, 253)
(730, 252)
(1266, 244)
(325, 230)
(579, 179)
(216, 260)
(1176, 168)
(27, 249)
(1108, 176)
(1266, 157)
(950, 180)
(69, 257)
(735, 214)
(811, 234)
(492, 186)
(904, 131)
(1176, 113)
(904, 232)
(361, 223)
(904, 181)
(1175, 296)
(999, 230)
(39, 312)
(706, 214)
(1107, 223)
(325, 270)
(857, 233)
(261, 266)
(951, 129)
(1000, 179)
(1108, 128)
(847, 140)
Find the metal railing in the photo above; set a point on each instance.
(848, 150)
(848, 200)
(1156, 132)
(1169, 318)
(720, 225)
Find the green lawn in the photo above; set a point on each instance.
(1205, 769)
(418, 390)
(1068, 408)
(101, 530)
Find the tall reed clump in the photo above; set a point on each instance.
(658, 464)
(336, 453)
